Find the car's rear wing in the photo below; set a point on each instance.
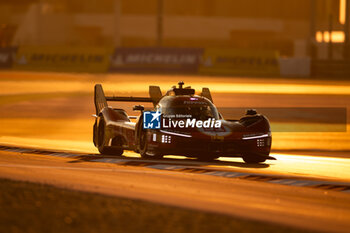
(128, 99)
(101, 100)
(154, 92)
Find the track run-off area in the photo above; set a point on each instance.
(220, 187)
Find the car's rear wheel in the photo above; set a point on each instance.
(144, 149)
(105, 150)
(251, 158)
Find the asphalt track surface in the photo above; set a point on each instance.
(322, 205)
(301, 190)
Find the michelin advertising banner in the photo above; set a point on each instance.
(240, 62)
(63, 59)
(178, 60)
(7, 55)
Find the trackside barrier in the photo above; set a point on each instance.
(63, 59)
(330, 68)
(295, 67)
(240, 62)
(7, 56)
(179, 60)
(243, 62)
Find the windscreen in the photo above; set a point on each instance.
(198, 110)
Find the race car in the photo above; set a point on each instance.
(179, 123)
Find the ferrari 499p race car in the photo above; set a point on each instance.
(180, 123)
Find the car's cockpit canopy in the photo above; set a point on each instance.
(196, 107)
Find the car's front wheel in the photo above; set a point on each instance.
(144, 148)
(251, 158)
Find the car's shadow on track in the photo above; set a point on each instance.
(134, 161)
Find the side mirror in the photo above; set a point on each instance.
(138, 108)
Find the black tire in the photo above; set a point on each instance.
(207, 158)
(94, 134)
(144, 148)
(117, 148)
(249, 158)
(105, 150)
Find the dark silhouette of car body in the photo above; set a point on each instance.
(114, 132)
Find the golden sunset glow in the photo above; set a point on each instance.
(323, 36)
(175, 116)
(342, 11)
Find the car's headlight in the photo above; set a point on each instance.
(176, 134)
(255, 136)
